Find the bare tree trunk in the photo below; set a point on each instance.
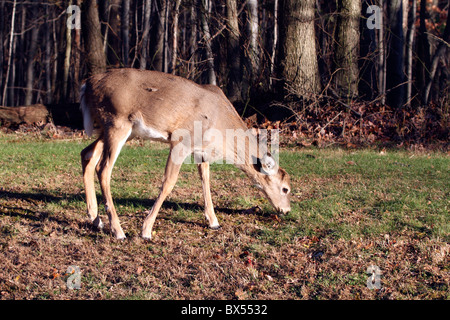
(18, 68)
(96, 59)
(136, 35)
(234, 55)
(159, 54)
(440, 51)
(60, 48)
(368, 87)
(145, 35)
(48, 57)
(12, 78)
(176, 13)
(76, 60)
(184, 34)
(125, 24)
(207, 36)
(347, 48)
(2, 7)
(423, 51)
(382, 57)
(166, 38)
(395, 59)
(253, 24)
(193, 40)
(405, 16)
(10, 54)
(103, 11)
(298, 47)
(67, 60)
(113, 47)
(275, 42)
(409, 50)
(55, 61)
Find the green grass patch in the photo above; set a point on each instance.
(350, 209)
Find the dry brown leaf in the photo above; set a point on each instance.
(241, 294)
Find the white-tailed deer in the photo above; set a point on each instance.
(128, 103)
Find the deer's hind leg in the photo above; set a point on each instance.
(90, 156)
(114, 139)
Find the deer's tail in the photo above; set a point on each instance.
(88, 121)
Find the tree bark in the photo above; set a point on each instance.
(19, 66)
(55, 61)
(96, 59)
(166, 38)
(298, 47)
(159, 47)
(423, 51)
(395, 59)
(173, 64)
(440, 51)
(409, 50)
(382, 56)
(67, 60)
(2, 10)
(113, 46)
(193, 40)
(347, 48)
(368, 87)
(125, 24)
(207, 36)
(145, 35)
(48, 57)
(275, 42)
(233, 53)
(253, 23)
(76, 55)
(10, 54)
(103, 13)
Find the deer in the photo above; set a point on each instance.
(122, 104)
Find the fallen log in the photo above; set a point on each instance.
(32, 114)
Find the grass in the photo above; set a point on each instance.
(350, 209)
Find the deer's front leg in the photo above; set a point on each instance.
(169, 180)
(203, 170)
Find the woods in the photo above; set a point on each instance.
(393, 53)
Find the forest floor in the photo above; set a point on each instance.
(351, 209)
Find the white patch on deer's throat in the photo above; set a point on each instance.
(145, 132)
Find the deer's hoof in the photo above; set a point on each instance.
(98, 223)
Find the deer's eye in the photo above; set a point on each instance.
(285, 190)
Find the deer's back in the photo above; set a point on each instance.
(165, 102)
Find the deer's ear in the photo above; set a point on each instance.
(266, 164)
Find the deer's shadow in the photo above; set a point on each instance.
(37, 215)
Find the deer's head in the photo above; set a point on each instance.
(274, 182)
